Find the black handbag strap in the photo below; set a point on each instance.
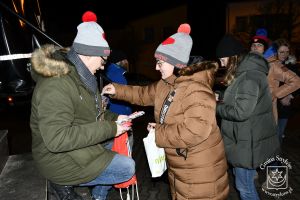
(162, 116)
(166, 105)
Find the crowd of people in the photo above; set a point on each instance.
(73, 127)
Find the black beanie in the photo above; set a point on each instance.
(229, 46)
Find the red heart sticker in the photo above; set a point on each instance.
(168, 41)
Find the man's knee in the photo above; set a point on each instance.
(125, 165)
(129, 167)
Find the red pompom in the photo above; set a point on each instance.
(89, 16)
(184, 28)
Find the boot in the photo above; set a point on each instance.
(62, 192)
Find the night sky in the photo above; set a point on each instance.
(207, 21)
(207, 18)
(111, 13)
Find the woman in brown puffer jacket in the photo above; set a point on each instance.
(186, 128)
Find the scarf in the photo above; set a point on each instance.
(88, 79)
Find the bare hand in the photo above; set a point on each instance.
(151, 125)
(122, 129)
(109, 89)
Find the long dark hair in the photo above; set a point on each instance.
(232, 66)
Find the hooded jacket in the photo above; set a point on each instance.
(248, 125)
(189, 125)
(66, 132)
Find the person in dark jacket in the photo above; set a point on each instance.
(115, 71)
(68, 121)
(248, 126)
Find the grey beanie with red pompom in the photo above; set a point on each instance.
(177, 48)
(90, 39)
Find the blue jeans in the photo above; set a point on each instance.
(121, 169)
(282, 122)
(244, 181)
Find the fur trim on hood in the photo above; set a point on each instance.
(290, 60)
(49, 61)
(200, 66)
(203, 72)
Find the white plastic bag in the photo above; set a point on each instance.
(155, 155)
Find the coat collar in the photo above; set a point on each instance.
(170, 80)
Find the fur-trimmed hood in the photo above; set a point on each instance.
(291, 59)
(202, 72)
(49, 61)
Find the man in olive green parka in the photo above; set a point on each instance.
(68, 121)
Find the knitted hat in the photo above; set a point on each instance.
(229, 46)
(270, 52)
(90, 38)
(176, 49)
(261, 36)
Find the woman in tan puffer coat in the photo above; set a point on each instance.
(187, 128)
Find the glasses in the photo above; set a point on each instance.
(159, 63)
(104, 60)
(283, 52)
